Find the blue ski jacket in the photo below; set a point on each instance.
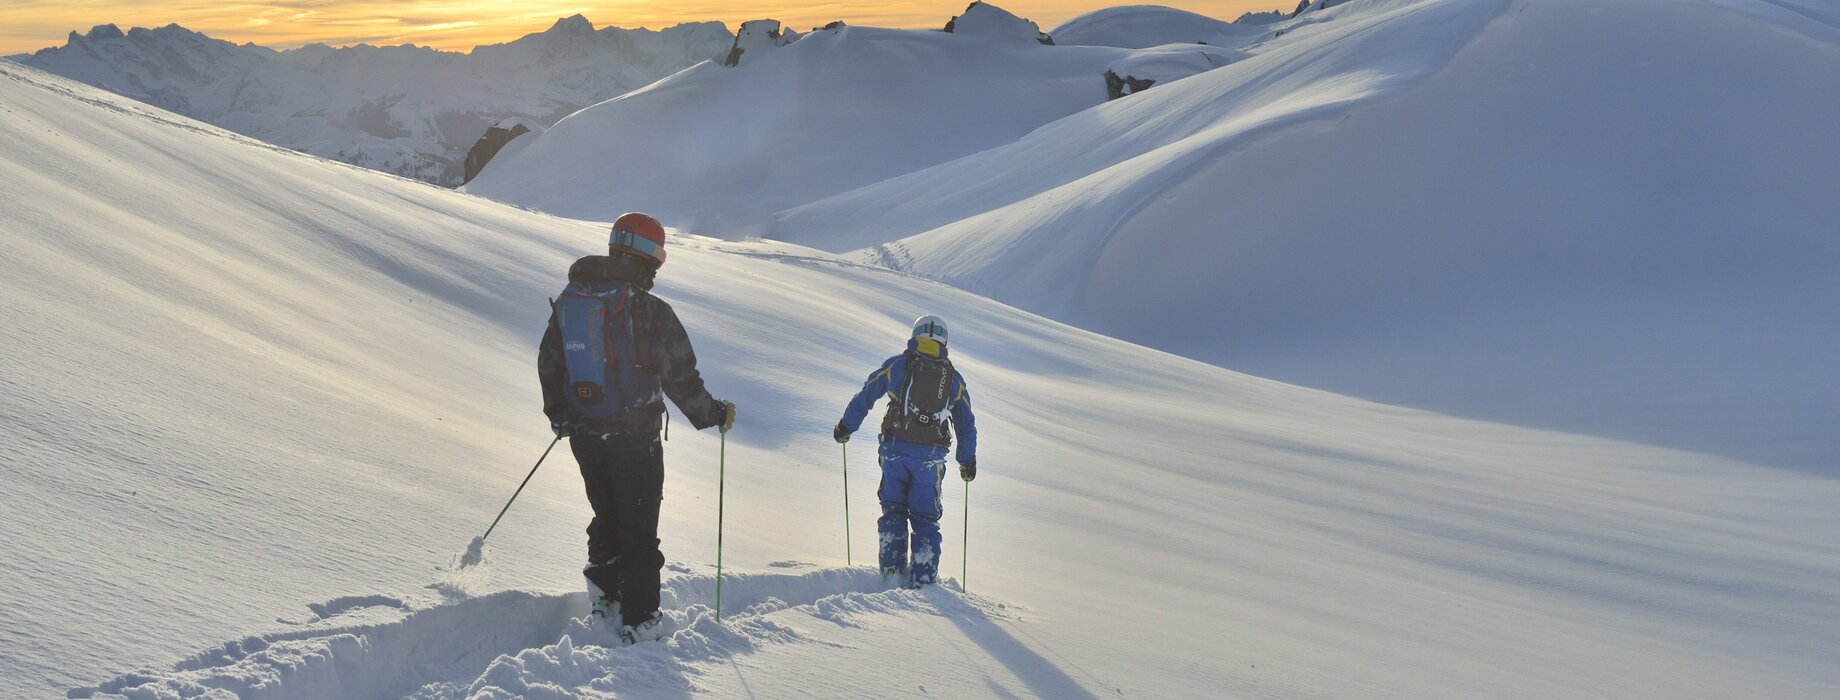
(888, 378)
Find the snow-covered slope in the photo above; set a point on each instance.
(406, 110)
(1141, 26)
(255, 396)
(719, 147)
(1567, 184)
(1615, 216)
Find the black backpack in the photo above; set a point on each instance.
(919, 410)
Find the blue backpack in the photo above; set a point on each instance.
(601, 352)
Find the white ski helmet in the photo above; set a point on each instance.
(930, 328)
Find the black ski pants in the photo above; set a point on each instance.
(624, 476)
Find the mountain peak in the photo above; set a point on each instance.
(984, 19)
(571, 24)
(103, 31)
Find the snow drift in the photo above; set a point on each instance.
(242, 384)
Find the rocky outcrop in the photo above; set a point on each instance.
(1117, 86)
(489, 145)
(1163, 65)
(984, 19)
(1267, 17)
(758, 35)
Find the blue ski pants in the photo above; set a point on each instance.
(910, 495)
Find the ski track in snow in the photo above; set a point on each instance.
(522, 643)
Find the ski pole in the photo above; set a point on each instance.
(721, 493)
(964, 576)
(520, 488)
(847, 557)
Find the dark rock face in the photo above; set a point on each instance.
(487, 146)
(755, 34)
(103, 32)
(1117, 86)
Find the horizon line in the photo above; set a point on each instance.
(460, 34)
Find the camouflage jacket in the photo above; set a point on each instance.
(664, 350)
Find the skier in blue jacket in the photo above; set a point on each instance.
(925, 394)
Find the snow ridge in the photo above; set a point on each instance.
(1143, 26)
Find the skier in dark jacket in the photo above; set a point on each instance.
(621, 456)
(925, 395)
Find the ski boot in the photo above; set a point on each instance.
(650, 629)
(606, 610)
(603, 593)
(895, 577)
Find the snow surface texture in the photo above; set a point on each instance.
(1603, 218)
(252, 395)
(405, 110)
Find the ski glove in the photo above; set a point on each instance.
(562, 429)
(728, 415)
(967, 470)
(841, 433)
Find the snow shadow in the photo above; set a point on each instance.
(389, 659)
(1043, 677)
(511, 643)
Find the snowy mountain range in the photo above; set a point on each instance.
(1289, 192)
(407, 110)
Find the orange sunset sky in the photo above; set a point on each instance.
(29, 25)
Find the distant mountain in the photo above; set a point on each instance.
(408, 110)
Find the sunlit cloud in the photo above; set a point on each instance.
(28, 25)
(443, 27)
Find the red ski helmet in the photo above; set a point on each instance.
(637, 234)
